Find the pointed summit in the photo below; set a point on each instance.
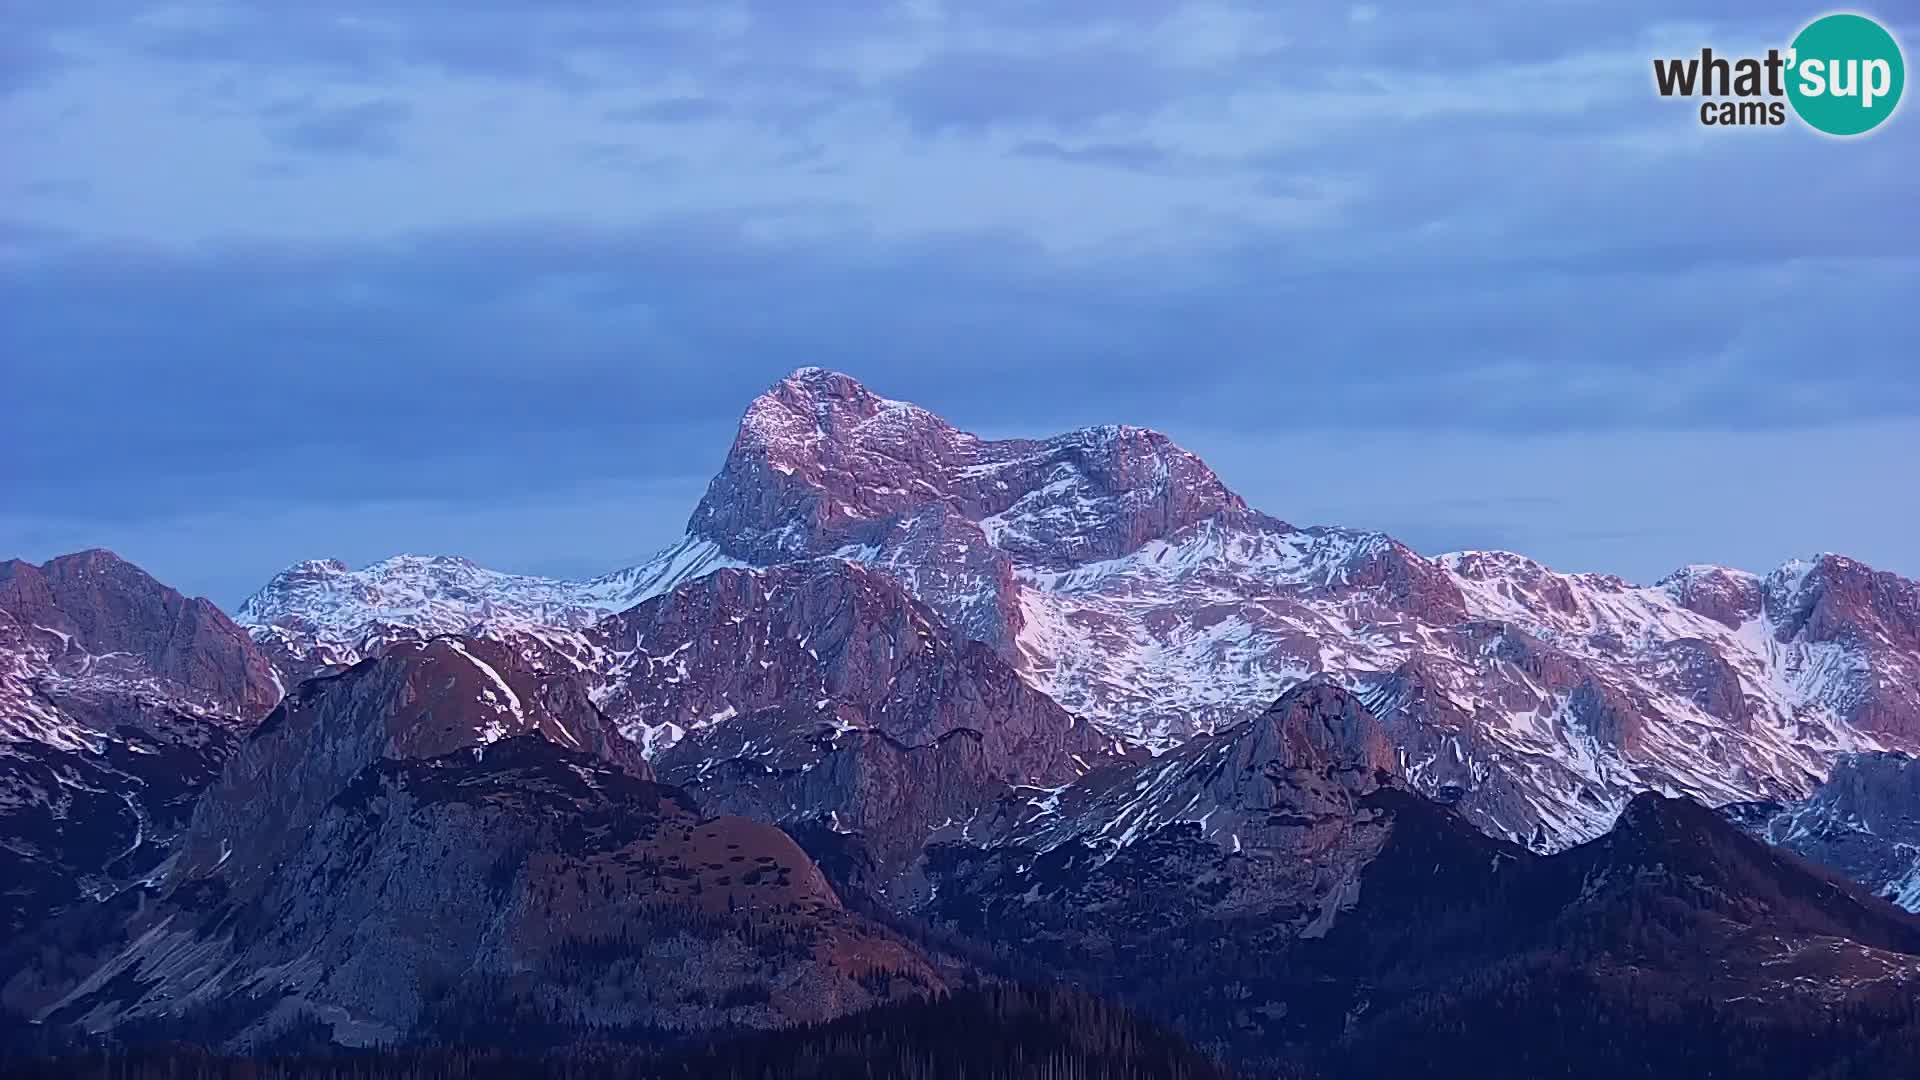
(1727, 596)
(1677, 847)
(813, 405)
(1322, 728)
(416, 701)
(100, 603)
(1831, 596)
(820, 459)
(824, 466)
(1287, 780)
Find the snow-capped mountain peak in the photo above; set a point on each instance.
(1117, 574)
(820, 461)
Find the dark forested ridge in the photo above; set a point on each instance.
(995, 1033)
(1675, 946)
(1542, 1019)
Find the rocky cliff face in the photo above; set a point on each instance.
(119, 700)
(529, 882)
(824, 466)
(93, 616)
(821, 690)
(1263, 817)
(821, 461)
(1865, 619)
(418, 700)
(1863, 822)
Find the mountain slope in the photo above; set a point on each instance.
(1260, 822)
(1691, 949)
(815, 691)
(1864, 822)
(821, 691)
(1124, 580)
(1276, 890)
(990, 1033)
(119, 700)
(442, 836)
(1118, 575)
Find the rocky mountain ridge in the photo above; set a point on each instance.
(453, 839)
(119, 701)
(1277, 883)
(1863, 822)
(441, 832)
(1119, 576)
(322, 615)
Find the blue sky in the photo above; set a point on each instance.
(288, 280)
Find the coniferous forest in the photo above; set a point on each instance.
(1555, 1020)
(995, 1033)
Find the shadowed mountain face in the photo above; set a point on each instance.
(119, 699)
(418, 700)
(1276, 886)
(1263, 821)
(529, 885)
(439, 833)
(1690, 948)
(988, 1033)
(1863, 822)
(820, 691)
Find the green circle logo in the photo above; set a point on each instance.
(1846, 74)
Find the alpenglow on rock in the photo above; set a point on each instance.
(1117, 574)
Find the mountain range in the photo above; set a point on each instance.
(1117, 575)
(907, 711)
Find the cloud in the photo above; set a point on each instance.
(1136, 156)
(1169, 124)
(398, 254)
(371, 128)
(977, 88)
(25, 61)
(672, 110)
(508, 361)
